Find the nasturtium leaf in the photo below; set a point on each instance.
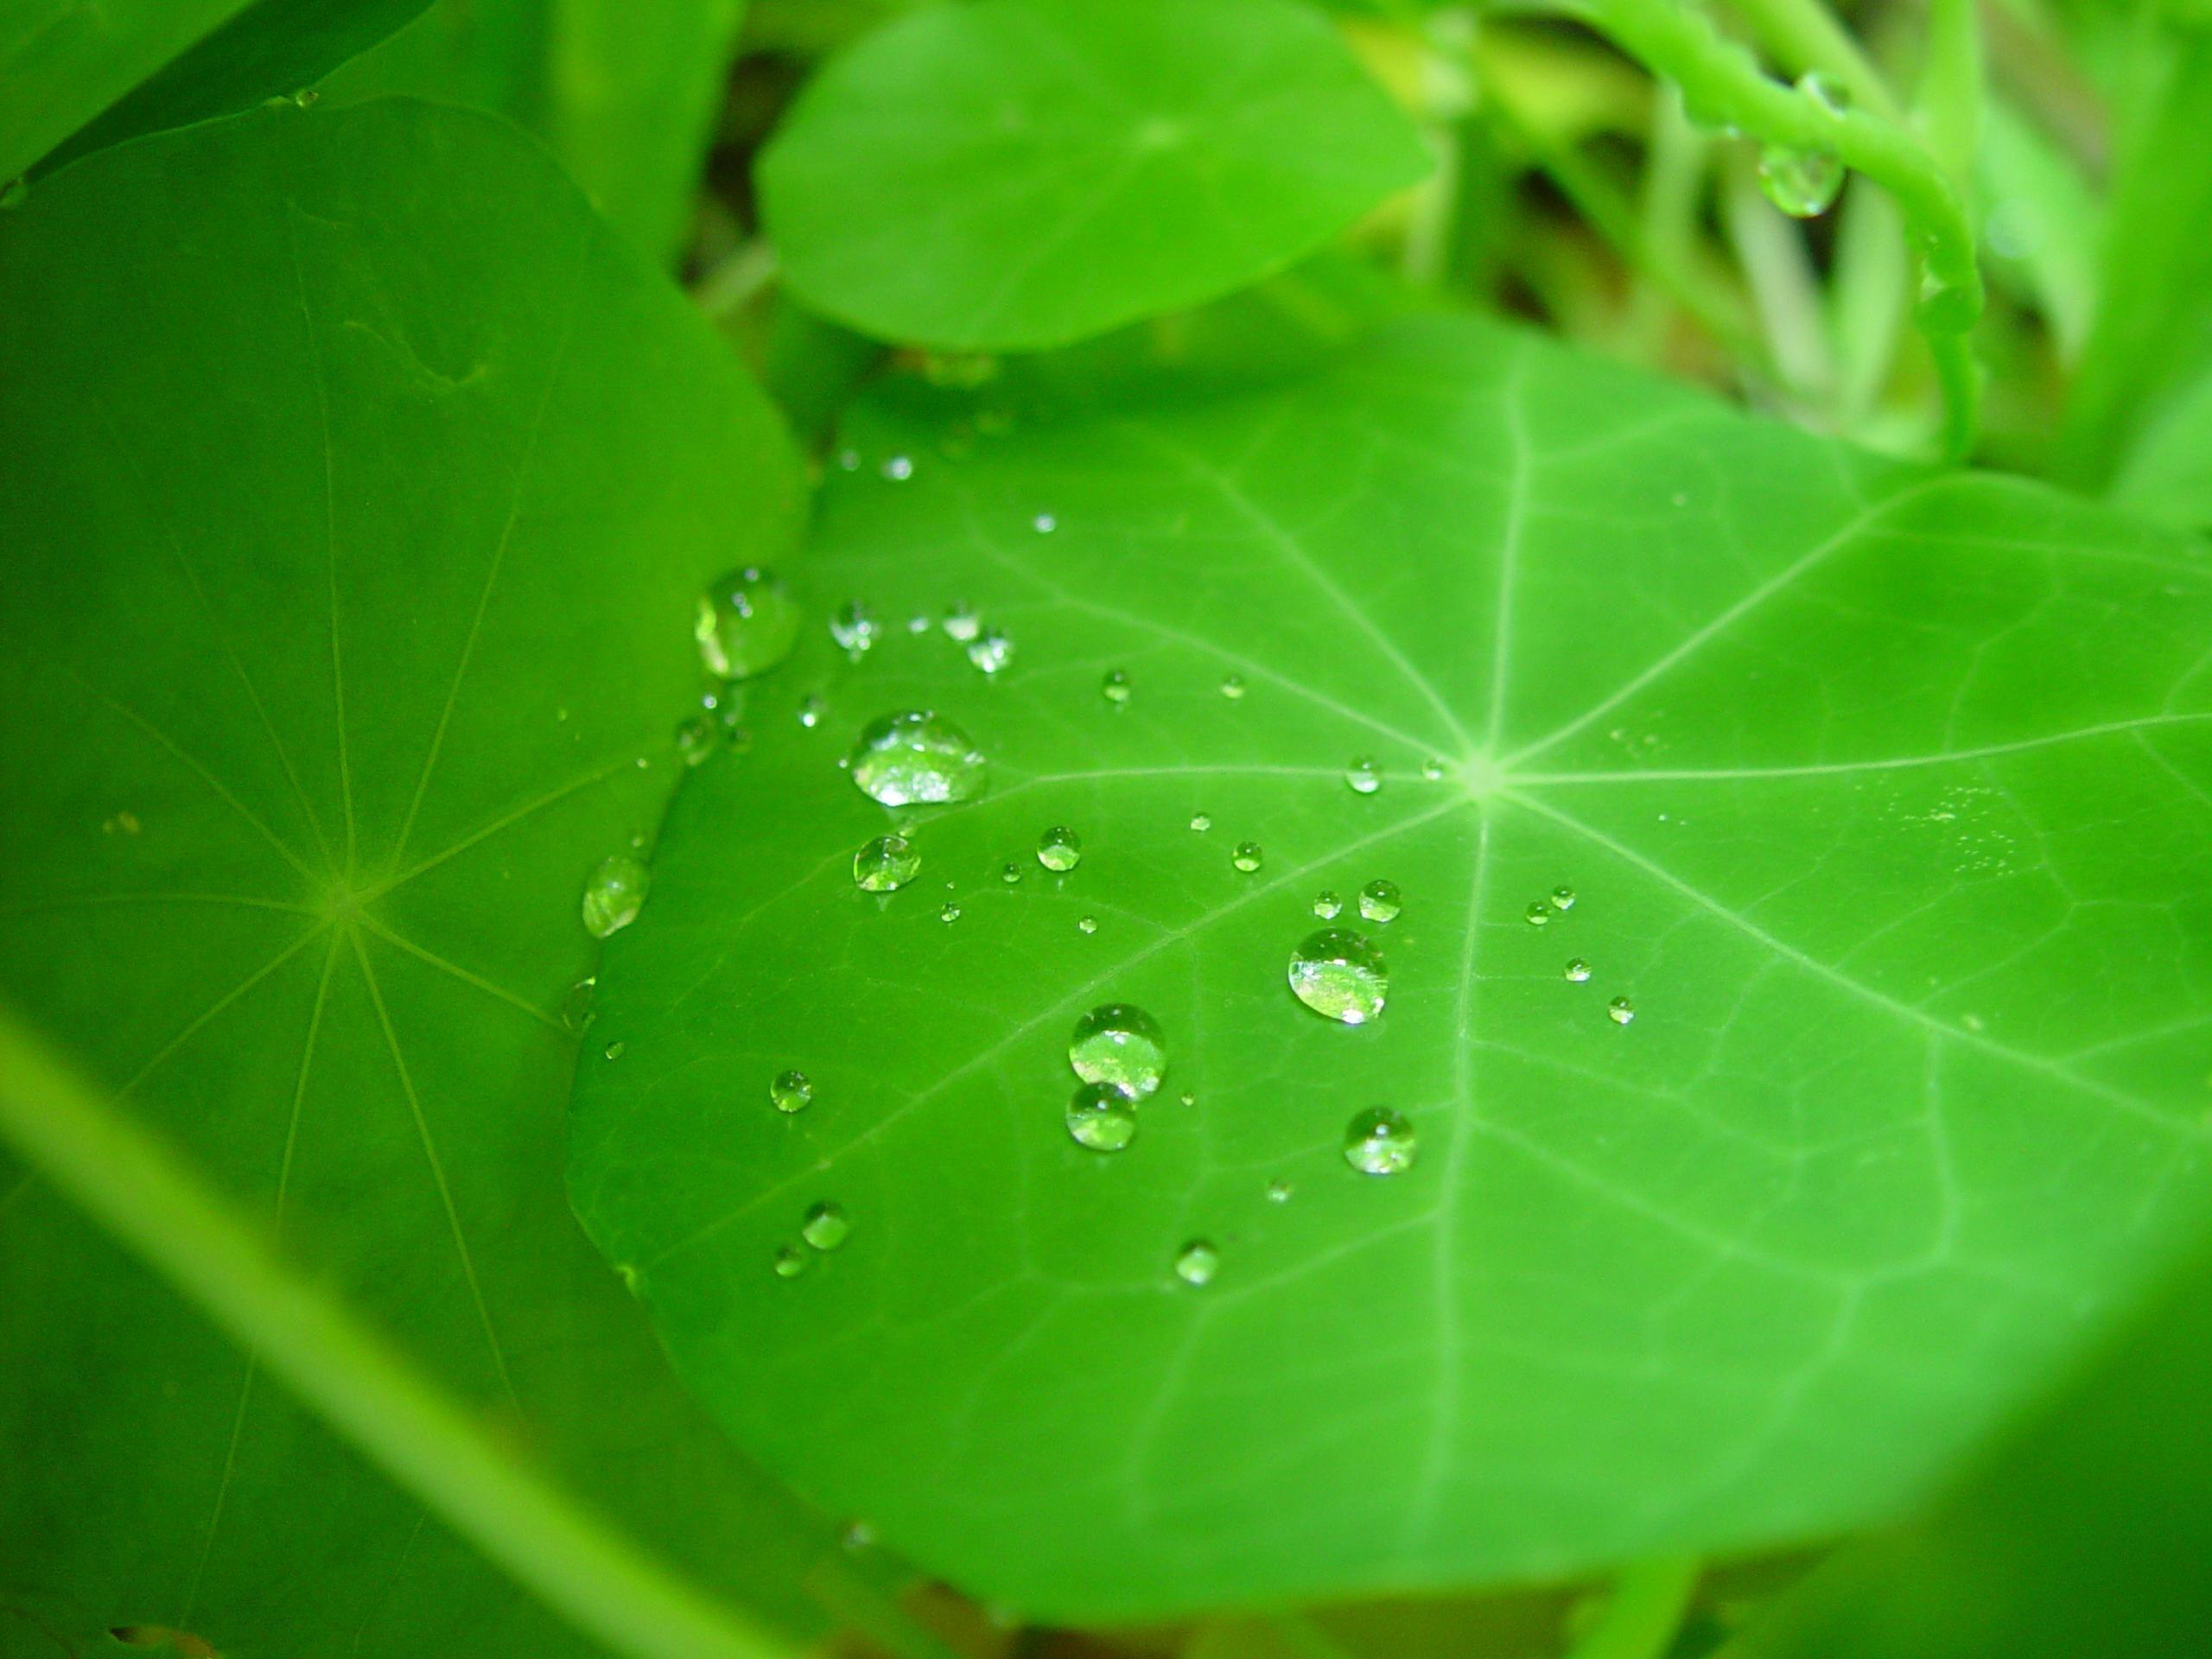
(352, 546)
(1878, 803)
(271, 48)
(1017, 173)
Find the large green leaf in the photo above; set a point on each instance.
(1022, 173)
(1887, 799)
(352, 545)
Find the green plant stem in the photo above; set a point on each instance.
(1643, 1612)
(1950, 85)
(133, 1186)
(1804, 35)
(1721, 83)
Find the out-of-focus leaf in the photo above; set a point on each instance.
(2168, 475)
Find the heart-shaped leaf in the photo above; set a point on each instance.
(1801, 995)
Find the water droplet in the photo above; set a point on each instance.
(849, 460)
(1197, 1263)
(122, 823)
(1539, 914)
(855, 628)
(1826, 91)
(1379, 1142)
(1102, 1117)
(696, 738)
(614, 1051)
(1120, 1043)
(916, 757)
(614, 894)
(1059, 848)
(1327, 905)
(1201, 821)
(1803, 183)
(1188, 1098)
(1578, 971)
(1280, 1191)
(791, 1262)
(1232, 686)
(1086, 925)
(1044, 524)
(1379, 901)
(575, 1006)
(1562, 898)
(305, 97)
(886, 864)
(1433, 770)
(918, 624)
(1010, 872)
(990, 651)
(826, 1226)
(748, 623)
(1339, 974)
(1247, 856)
(1362, 776)
(809, 712)
(791, 1091)
(948, 911)
(898, 468)
(960, 623)
(1620, 1010)
(1115, 688)
(858, 1535)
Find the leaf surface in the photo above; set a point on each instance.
(1024, 173)
(352, 547)
(1885, 796)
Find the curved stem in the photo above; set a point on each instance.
(133, 1186)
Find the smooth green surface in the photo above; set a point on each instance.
(352, 545)
(625, 91)
(2087, 1537)
(63, 62)
(1023, 172)
(2168, 474)
(272, 48)
(1886, 798)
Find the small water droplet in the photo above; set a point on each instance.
(1364, 777)
(1086, 925)
(1188, 1098)
(849, 460)
(960, 623)
(1280, 1191)
(305, 97)
(1803, 183)
(1232, 686)
(809, 712)
(1059, 848)
(886, 864)
(748, 623)
(1044, 524)
(791, 1091)
(1539, 914)
(1380, 901)
(1340, 974)
(1562, 898)
(575, 1006)
(826, 1226)
(614, 1051)
(1201, 821)
(948, 911)
(1197, 1263)
(1826, 89)
(990, 651)
(697, 740)
(858, 1535)
(1115, 688)
(1379, 1142)
(1577, 970)
(1121, 1044)
(917, 756)
(1247, 856)
(122, 823)
(1433, 771)
(898, 468)
(1620, 1010)
(791, 1262)
(1102, 1117)
(614, 894)
(918, 624)
(855, 628)
(1327, 905)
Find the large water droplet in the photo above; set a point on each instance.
(1562, 898)
(1327, 905)
(886, 864)
(990, 651)
(1197, 1263)
(791, 1091)
(1119, 1044)
(1364, 776)
(1803, 183)
(1539, 913)
(1577, 971)
(1379, 1142)
(1379, 901)
(614, 894)
(1102, 1117)
(1115, 688)
(748, 623)
(1247, 856)
(916, 757)
(1338, 973)
(855, 627)
(1059, 848)
(1620, 1010)
(826, 1226)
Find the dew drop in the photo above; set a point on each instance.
(1362, 776)
(826, 1226)
(791, 1262)
(1102, 1117)
(948, 911)
(1120, 1043)
(1010, 872)
(1197, 1263)
(1280, 1191)
(1201, 821)
(886, 864)
(1059, 848)
(614, 894)
(918, 624)
(1188, 1098)
(1232, 686)
(791, 1091)
(1086, 925)
(614, 1051)
(1826, 91)
(1044, 524)
(855, 628)
(990, 651)
(1562, 898)
(1620, 1010)
(696, 739)
(1433, 771)
(748, 623)
(1247, 856)
(960, 623)
(575, 1006)
(1115, 688)
(1327, 905)
(857, 1537)
(1379, 901)
(809, 712)
(917, 756)
(1539, 914)
(849, 460)
(1379, 1142)
(1340, 974)
(1803, 183)
(898, 468)
(1577, 971)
